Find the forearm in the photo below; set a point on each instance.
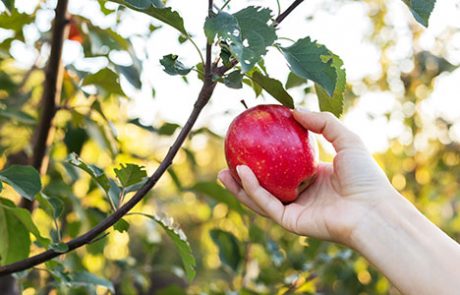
(415, 255)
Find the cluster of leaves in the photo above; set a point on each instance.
(228, 248)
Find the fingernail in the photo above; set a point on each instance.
(220, 174)
(238, 169)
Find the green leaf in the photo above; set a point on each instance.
(168, 129)
(294, 81)
(18, 116)
(234, 80)
(310, 60)
(95, 172)
(421, 9)
(246, 32)
(229, 250)
(218, 193)
(9, 5)
(172, 66)
(15, 243)
(143, 4)
(166, 15)
(106, 80)
(88, 279)
(109, 186)
(59, 247)
(51, 205)
(25, 218)
(24, 179)
(223, 25)
(132, 74)
(274, 88)
(334, 103)
(180, 240)
(121, 225)
(103, 134)
(256, 35)
(130, 174)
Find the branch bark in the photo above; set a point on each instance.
(288, 11)
(51, 93)
(203, 98)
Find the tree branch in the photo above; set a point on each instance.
(51, 93)
(288, 11)
(203, 98)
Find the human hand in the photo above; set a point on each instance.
(340, 198)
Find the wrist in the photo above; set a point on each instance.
(385, 215)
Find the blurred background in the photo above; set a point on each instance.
(402, 97)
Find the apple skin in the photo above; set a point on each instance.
(276, 147)
(74, 33)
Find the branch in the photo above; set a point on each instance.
(203, 98)
(288, 11)
(51, 93)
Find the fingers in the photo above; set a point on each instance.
(227, 179)
(330, 127)
(261, 197)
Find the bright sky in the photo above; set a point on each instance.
(342, 28)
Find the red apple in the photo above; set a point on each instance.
(74, 32)
(276, 147)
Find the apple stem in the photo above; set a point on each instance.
(244, 104)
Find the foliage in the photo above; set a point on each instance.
(99, 157)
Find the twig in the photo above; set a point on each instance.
(51, 93)
(203, 98)
(225, 4)
(288, 11)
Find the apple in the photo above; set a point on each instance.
(74, 32)
(276, 147)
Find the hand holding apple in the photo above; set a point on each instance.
(276, 147)
(336, 203)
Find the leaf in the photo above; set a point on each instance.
(223, 25)
(294, 81)
(421, 9)
(310, 60)
(25, 218)
(88, 279)
(109, 186)
(18, 116)
(51, 205)
(95, 172)
(132, 74)
(172, 66)
(218, 193)
(256, 35)
(59, 247)
(234, 80)
(168, 129)
(15, 243)
(24, 179)
(103, 134)
(166, 15)
(274, 88)
(106, 80)
(334, 103)
(246, 32)
(229, 251)
(121, 225)
(143, 4)
(9, 5)
(130, 174)
(180, 240)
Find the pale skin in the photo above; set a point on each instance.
(352, 202)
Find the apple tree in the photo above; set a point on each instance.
(94, 200)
